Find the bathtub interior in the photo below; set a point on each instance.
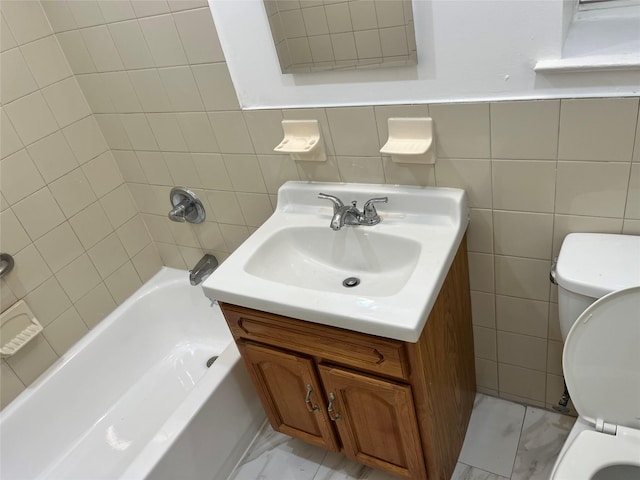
(125, 391)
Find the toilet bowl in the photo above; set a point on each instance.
(601, 362)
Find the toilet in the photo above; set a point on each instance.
(598, 278)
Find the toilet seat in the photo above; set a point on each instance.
(601, 362)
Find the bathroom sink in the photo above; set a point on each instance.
(381, 279)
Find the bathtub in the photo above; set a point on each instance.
(135, 399)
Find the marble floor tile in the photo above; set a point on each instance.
(274, 456)
(467, 472)
(492, 437)
(338, 467)
(543, 435)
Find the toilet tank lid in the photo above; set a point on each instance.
(595, 264)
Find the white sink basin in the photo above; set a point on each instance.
(295, 265)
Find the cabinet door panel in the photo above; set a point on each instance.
(283, 380)
(376, 421)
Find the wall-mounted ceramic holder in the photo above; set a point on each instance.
(410, 141)
(302, 140)
(18, 326)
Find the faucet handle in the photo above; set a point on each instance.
(337, 203)
(371, 216)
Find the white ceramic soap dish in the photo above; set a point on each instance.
(410, 140)
(18, 326)
(302, 140)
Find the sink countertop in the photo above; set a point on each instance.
(284, 266)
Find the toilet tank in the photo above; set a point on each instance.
(591, 265)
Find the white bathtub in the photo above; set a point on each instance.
(134, 398)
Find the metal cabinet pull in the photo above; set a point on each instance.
(307, 400)
(332, 414)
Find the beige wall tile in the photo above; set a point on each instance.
(320, 171)
(486, 373)
(408, 174)
(265, 129)
(636, 148)
(86, 14)
(554, 323)
(597, 129)
(183, 234)
(138, 132)
(48, 301)
(129, 166)
(7, 297)
(95, 91)
(46, 61)
(354, 131)
(483, 310)
(158, 228)
(525, 130)
(361, 169)
(234, 235)
(78, 277)
(102, 49)
(103, 174)
(150, 90)
(524, 185)
(631, 227)
(59, 247)
(197, 132)
(209, 236)
(522, 234)
(131, 45)
(519, 315)
(245, 174)
(231, 132)
(75, 51)
(90, 225)
(7, 41)
(484, 341)
(11, 385)
(146, 8)
(134, 235)
(592, 188)
(256, 208)
(563, 225)
(177, 5)
(59, 15)
(73, 192)
(211, 170)
(225, 206)
(26, 20)
(65, 330)
(17, 80)
(38, 213)
(147, 262)
(199, 36)
(85, 139)
(167, 132)
(113, 131)
(481, 272)
(155, 168)
(95, 305)
(118, 205)
(107, 255)
(19, 177)
(13, 237)
(9, 141)
(182, 169)
(461, 130)
(480, 231)
(120, 90)
(32, 360)
(522, 277)
(116, 11)
(123, 282)
(163, 40)
(276, 170)
(554, 357)
(522, 382)
(632, 209)
(216, 88)
(52, 156)
(31, 118)
(474, 176)
(170, 255)
(29, 271)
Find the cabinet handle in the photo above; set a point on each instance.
(332, 414)
(307, 400)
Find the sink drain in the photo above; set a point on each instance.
(351, 282)
(211, 360)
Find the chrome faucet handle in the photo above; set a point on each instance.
(371, 216)
(337, 203)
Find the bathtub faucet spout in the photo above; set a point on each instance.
(203, 269)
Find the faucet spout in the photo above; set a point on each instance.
(203, 269)
(347, 214)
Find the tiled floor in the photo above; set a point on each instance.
(504, 441)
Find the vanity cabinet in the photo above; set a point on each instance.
(398, 406)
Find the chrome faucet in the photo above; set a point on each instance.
(203, 269)
(350, 215)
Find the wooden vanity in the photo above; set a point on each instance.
(393, 405)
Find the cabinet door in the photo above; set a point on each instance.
(376, 421)
(291, 394)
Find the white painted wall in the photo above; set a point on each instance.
(472, 50)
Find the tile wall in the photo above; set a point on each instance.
(66, 216)
(155, 78)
